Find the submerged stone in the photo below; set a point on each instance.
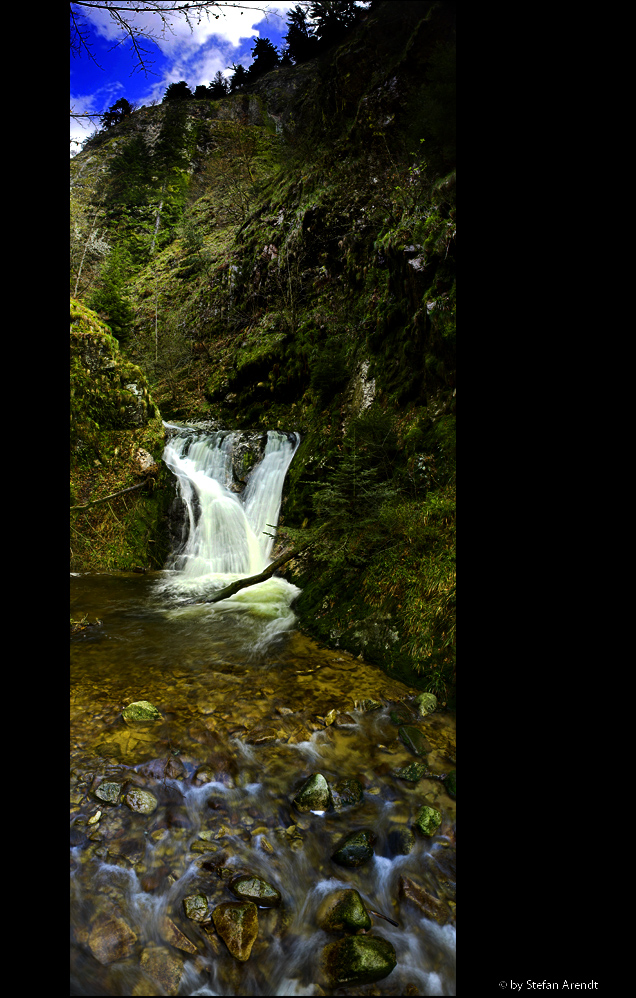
(237, 924)
(428, 820)
(425, 703)
(413, 772)
(141, 714)
(249, 888)
(346, 793)
(111, 939)
(357, 960)
(356, 849)
(413, 739)
(343, 910)
(164, 966)
(141, 801)
(450, 784)
(430, 906)
(196, 907)
(314, 795)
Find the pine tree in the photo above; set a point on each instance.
(265, 58)
(239, 78)
(218, 87)
(178, 91)
(300, 40)
(332, 19)
(120, 109)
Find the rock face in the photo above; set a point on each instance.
(356, 849)
(249, 888)
(357, 960)
(314, 795)
(343, 911)
(237, 924)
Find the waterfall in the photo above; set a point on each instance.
(227, 534)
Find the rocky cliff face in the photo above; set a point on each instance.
(286, 259)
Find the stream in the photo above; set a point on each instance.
(169, 810)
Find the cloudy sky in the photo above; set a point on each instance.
(180, 54)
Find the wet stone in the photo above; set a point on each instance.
(356, 849)
(413, 739)
(343, 910)
(111, 938)
(141, 801)
(357, 960)
(164, 966)
(401, 841)
(237, 924)
(430, 906)
(249, 888)
(428, 820)
(172, 934)
(450, 785)
(314, 795)
(346, 793)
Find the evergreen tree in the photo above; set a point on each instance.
(201, 93)
(108, 298)
(265, 58)
(120, 110)
(239, 78)
(300, 39)
(178, 91)
(332, 19)
(218, 87)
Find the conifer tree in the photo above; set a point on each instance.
(265, 58)
(300, 40)
(218, 87)
(178, 91)
(120, 109)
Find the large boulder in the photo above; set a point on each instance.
(357, 960)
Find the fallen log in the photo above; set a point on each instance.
(234, 587)
(111, 496)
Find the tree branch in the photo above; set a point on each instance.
(111, 496)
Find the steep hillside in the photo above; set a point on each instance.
(286, 258)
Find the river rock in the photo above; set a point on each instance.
(109, 792)
(346, 793)
(111, 938)
(413, 739)
(450, 785)
(237, 924)
(425, 703)
(195, 907)
(401, 841)
(173, 935)
(357, 960)
(141, 801)
(164, 966)
(141, 714)
(413, 772)
(355, 849)
(314, 795)
(428, 820)
(249, 888)
(343, 910)
(430, 906)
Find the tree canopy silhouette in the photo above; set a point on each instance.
(178, 91)
(117, 112)
(301, 42)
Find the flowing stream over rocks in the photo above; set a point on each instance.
(202, 852)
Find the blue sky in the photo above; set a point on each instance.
(178, 55)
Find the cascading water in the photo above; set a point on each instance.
(165, 814)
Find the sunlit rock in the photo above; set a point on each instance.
(357, 960)
(428, 820)
(141, 801)
(249, 888)
(237, 924)
(356, 849)
(314, 795)
(343, 910)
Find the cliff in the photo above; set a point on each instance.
(286, 258)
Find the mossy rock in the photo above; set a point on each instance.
(357, 960)
(343, 911)
(314, 795)
(425, 703)
(237, 924)
(428, 820)
(109, 793)
(413, 739)
(141, 801)
(141, 714)
(450, 785)
(413, 772)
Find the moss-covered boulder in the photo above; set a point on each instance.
(355, 849)
(425, 703)
(141, 714)
(249, 888)
(237, 924)
(343, 911)
(413, 772)
(428, 820)
(357, 960)
(314, 795)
